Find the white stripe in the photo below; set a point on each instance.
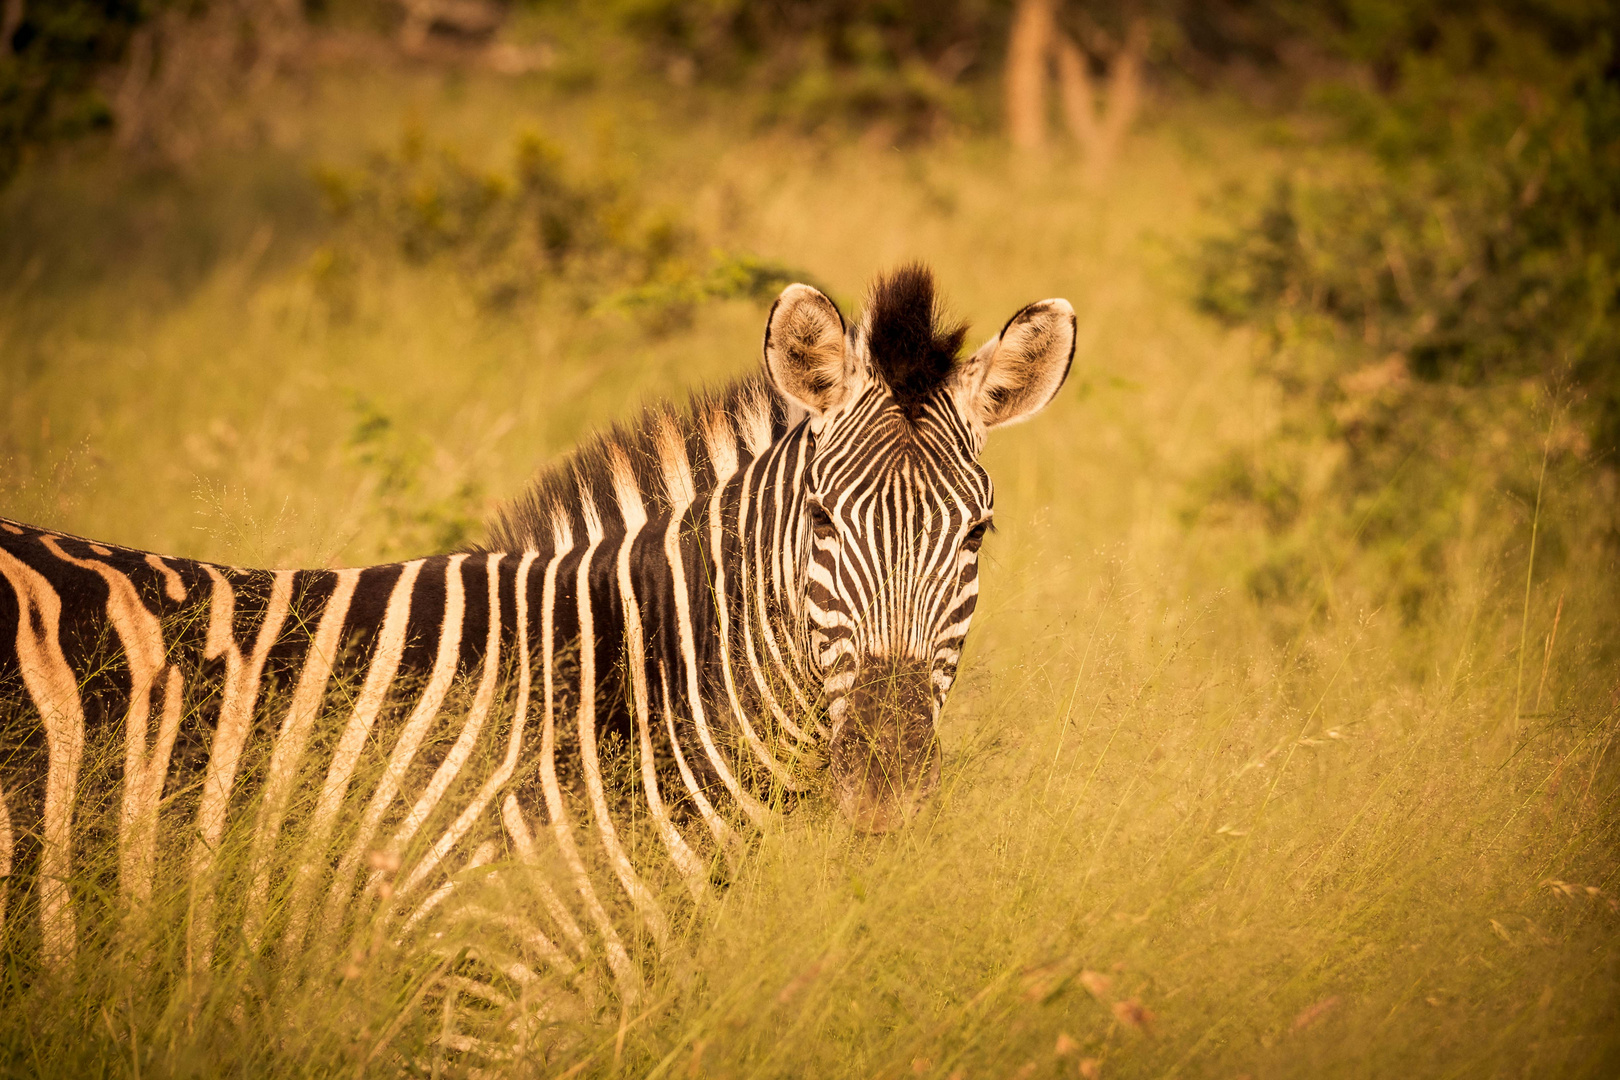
(518, 829)
(754, 419)
(720, 442)
(694, 690)
(730, 842)
(726, 462)
(142, 639)
(837, 684)
(525, 932)
(7, 846)
(385, 659)
(762, 685)
(143, 842)
(562, 829)
(238, 702)
(55, 692)
(172, 586)
(481, 856)
(496, 780)
(483, 699)
(641, 896)
(288, 750)
(672, 554)
(410, 738)
(670, 445)
(691, 868)
(762, 569)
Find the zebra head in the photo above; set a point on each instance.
(894, 508)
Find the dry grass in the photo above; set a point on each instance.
(1178, 835)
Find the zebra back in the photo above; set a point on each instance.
(338, 717)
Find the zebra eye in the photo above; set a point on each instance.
(820, 521)
(975, 535)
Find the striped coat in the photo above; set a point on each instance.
(688, 625)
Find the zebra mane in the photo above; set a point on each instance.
(913, 344)
(671, 455)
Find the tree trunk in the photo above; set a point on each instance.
(1124, 87)
(1027, 50)
(1101, 131)
(1079, 99)
(11, 17)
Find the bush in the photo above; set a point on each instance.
(507, 231)
(1440, 299)
(512, 233)
(47, 69)
(830, 62)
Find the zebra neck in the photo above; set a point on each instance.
(773, 540)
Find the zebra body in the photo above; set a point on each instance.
(667, 641)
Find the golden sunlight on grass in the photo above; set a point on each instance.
(1184, 829)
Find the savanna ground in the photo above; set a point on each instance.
(1201, 816)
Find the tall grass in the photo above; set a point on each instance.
(1184, 829)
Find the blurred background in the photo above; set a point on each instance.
(1290, 715)
(354, 210)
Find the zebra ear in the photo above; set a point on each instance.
(806, 354)
(1017, 372)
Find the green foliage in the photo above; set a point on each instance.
(508, 234)
(506, 231)
(47, 72)
(1326, 836)
(417, 518)
(816, 63)
(668, 302)
(1441, 292)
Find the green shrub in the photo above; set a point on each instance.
(837, 63)
(47, 68)
(1437, 296)
(507, 231)
(510, 233)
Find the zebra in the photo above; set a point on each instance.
(683, 629)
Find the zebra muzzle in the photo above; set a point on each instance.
(884, 757)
